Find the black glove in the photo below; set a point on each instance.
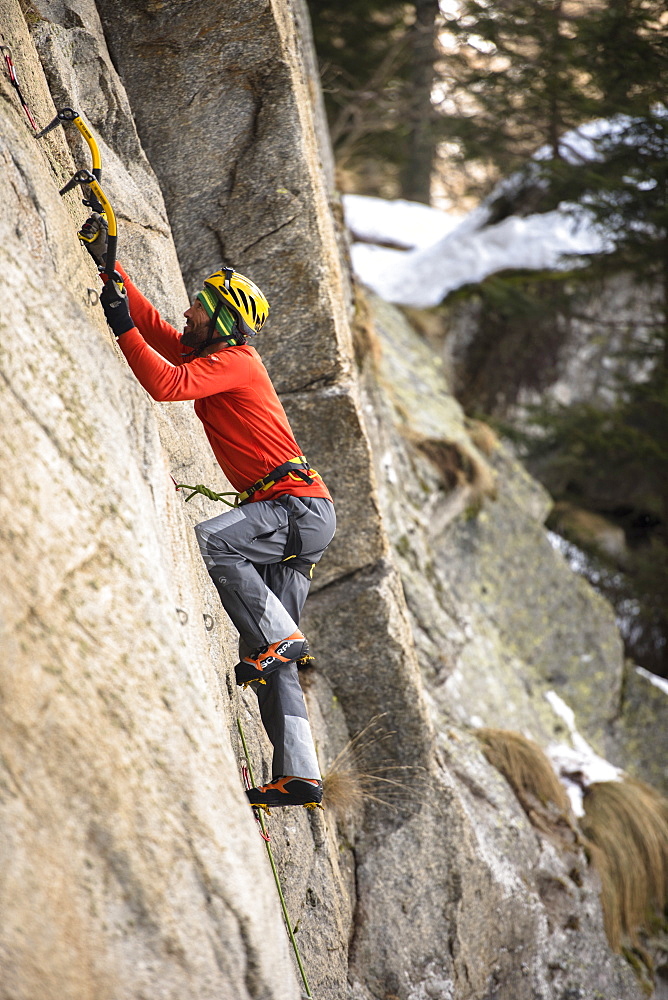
(93, 235)
(114, 300)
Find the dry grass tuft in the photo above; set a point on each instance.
(484, 438)
(530, 774)
(459, 466)
(625, 831)
(366, 342)
(626, 826)
(352, 780)
(31, 15)
(343, 790)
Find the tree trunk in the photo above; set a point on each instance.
(416, 175)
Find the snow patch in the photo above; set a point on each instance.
(445, 251)
(424, 276)
(660, 682)
(404, 223)
(578, 765)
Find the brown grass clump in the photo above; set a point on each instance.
(626, 825)
(625, 831)
(484, 438)
(351, 780)
(459, 466)
(530, 774)
(366, 342)
(343, 790)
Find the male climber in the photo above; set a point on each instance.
(260, 555)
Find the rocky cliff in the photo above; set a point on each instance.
(131, 863)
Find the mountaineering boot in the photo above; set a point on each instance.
(257, 665)
(287, 791)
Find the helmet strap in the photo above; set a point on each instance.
(232, 339)
(210, 339)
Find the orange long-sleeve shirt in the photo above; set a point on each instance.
(234, 398)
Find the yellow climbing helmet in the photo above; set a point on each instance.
(242, 297)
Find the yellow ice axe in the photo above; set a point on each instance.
(70, 115)
(86, 177)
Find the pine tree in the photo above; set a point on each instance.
(377, 65)
(627, 196)
(623, 49)
(514, 80)
(601, 59)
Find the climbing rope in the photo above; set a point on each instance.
(206, 492)
(265, 836)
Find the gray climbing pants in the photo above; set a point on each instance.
(264, 597)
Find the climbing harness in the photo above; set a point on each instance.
(259, 815)
(296, 468)
(64, 116)
(7, 53)
(86, 177)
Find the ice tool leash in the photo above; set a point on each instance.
(259, 815)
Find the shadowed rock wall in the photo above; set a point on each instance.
(131, 864)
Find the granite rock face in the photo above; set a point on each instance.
(119, 782)
(498, 617)
(131, 864)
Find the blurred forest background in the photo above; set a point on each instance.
(455, 102)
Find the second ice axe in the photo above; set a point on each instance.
(87, 178)
(64, 116)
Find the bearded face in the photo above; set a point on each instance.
(196, 329)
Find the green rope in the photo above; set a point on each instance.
(206, 492)
(284, 907)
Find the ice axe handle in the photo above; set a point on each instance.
(110, 265)
(67, 115)
(86, 177)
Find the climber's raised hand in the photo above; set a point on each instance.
(114, 300)
(93, 235)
